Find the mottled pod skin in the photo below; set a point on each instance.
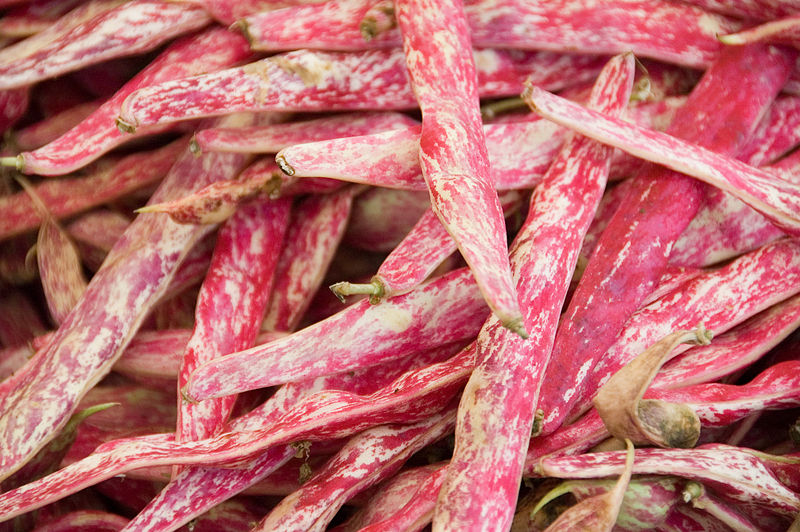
(129, 28)
(752, 283)
(93, 335)
(769, 194)
(452, 146)
(235, 291)
(107, 182)
(209, 50)
(672, 32)
(274, 137)
(447, 309)
(635, 246)
(738, 474)
(317, 226)
(412, 397)
(366, 459)
(306, 80)
(498, 404)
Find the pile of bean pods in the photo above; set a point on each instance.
(372, 265)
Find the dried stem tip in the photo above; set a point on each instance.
(285, 167)
(125, 127)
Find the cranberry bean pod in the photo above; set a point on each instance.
(95, 233)
(575, 438)
(404, 502)
(447, 309)
(207, 51)
(696, 494)
(60, 270)
(157, 354)
(324, 415)
(785, 30)
(365, 460)
(634, 248)
(229, 11)
(325, 81)
(497, 408)
(94, 334)
(725, 227)
(133, 27)
(59, 30)
(88, 520)
(36, 16)
(108, 181)
(520, 153)
(216, 202)
(179, 501)
(47, 130)
(381, 217)
(452, 151)
(734, 350)
(720, 405)
(235, 290)
(671, 32)
(778, 133)
(598, 512)
(316, 229)
(731, 471)
(761, 279)
(280, 184)
(171, 508)
(332, 25)
(750, 9)
(273, 138)
(415, 258)
(769, 194)
(646, 502)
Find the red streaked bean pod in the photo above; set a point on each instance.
(634, 248)
(318, 224)
(132, 27)
(672, 32)
(273, 138)
(36, 16)
(734, 350)
(750, 9)
(424, 248)
(761, 279)
(206, 51)
(178, 502)
(366, 459)
(769, 194)
(404, 503)
(326, 81)
(324, 415)
(734, 472)
(93, 335)
(236, 290)
(60, 270)
(229, 11)
(785, 30)
(497, 409)
(445, 310)
(106, 182)
(519, 153)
